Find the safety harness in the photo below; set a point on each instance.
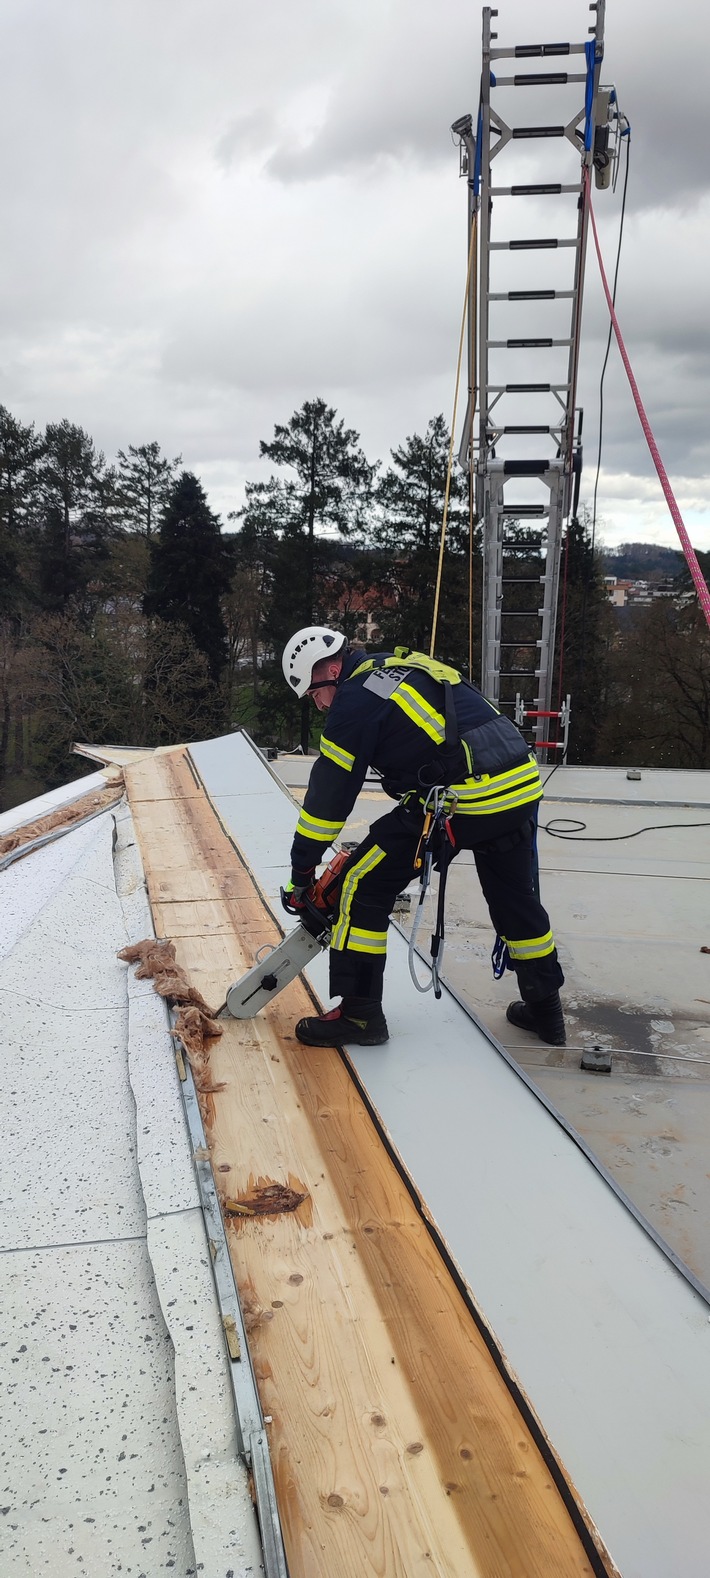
(483, 750)
(436, 847)
(494, 746)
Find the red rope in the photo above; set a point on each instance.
(688, 549)
(564, 618)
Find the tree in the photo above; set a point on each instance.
(87, 691)
(189, 571)
(181, 701)
(75, 487)
(331, 495)
(334, 481)
(250, 595)
(410, 498)
(144, 480)
(659, 697)
(585, 624)
(20, 451)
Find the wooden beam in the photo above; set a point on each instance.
(397, 1444)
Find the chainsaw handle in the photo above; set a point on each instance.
(292, 901)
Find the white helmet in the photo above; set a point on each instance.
(304, 650)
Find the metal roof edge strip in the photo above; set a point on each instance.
(250, 1429)
(57, 832)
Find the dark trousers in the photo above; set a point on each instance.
(383, 865)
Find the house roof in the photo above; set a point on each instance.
(605, 1331)
(117, 1420)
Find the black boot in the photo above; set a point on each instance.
(544, 1019)
(358, 1021)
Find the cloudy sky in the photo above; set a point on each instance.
(215, 209)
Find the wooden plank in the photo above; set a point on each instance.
(398, 1448)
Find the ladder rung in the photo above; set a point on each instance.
(525, 345)
(525, 133)
(521, 345)
(525, 468)
(523, 427)
(539, 79)
(537, 51)
(532, 244)
(534, 189)
(530, 295)
(521, 643)
(527, 388)
(531, 673)
(532, 512)
(525, 613)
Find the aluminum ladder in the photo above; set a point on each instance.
(533, 403)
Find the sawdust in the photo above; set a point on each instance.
(65, 816)
(269, 1199)
(195, 1023)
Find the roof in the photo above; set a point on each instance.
(117, 1419)
(607, 1335)
(605, 1330)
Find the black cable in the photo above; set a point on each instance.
(604, 838)
(627, 141)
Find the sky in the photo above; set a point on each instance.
(214, 210)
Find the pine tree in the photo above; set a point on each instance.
(189, 571)
(75, 487)
(411, 497)
(20, 450)
(144, 479)
(332, 491)
(331, 495)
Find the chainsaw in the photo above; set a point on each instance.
(275, 967)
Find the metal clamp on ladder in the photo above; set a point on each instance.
(522, 712)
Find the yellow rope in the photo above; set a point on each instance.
(440, 567)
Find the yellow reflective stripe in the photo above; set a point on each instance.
(367, 862)
(403, 658)
(315, 827)
(531, 947)
(503, 802)
(514, 777)
(337, 754)
(419, 712)
(367, 941)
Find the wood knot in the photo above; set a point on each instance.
(415, 1447)
(335, 1501)
(378, 1420)
(295, 1278)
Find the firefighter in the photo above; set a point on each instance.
(418, 723)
